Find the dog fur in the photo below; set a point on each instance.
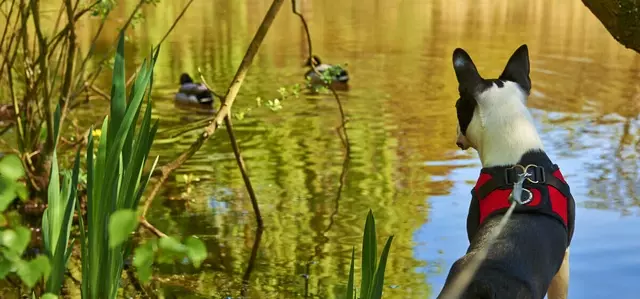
(530, 257)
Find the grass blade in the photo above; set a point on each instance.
(57, 247)
(87, 237)
(369, 254)
(350, 290)
(56, 125)
(118, 100)
(378, 281)
(53, 208)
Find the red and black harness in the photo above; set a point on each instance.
(545, 190)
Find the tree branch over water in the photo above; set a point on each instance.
(620, 17)
(225, 108)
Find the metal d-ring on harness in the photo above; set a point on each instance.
(516, 193)
(535, 175)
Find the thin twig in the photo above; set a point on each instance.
(243, 170)
(252, 260)
(106, 57)
(209, 87)
(100, 92)
(240, 162)
(152, 228)
(6, 28)
(42, 77)
(184, 9)
(89, 54)
(294, 8)
(345, 139)
(225, 108)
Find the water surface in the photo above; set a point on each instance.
(403, 162)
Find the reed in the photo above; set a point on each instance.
(372, 270)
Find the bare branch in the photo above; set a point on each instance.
(152, 228)
(184, 9)
(345, 138)
(243, 170)
(225, 108)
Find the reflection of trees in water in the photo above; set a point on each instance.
(611, 138)
(321, 236)
(615, 178)
(313, 213)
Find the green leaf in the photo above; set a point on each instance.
(24, 237)
(369, 254)
(196, 250)
(8, 238)
(16, 240)
(350, 290)
(378, 282)
(118, 88)
(58, 247)
(121, 225)
(30, 272)
(21, 191)
(7, 193)
(3, 221)
(49, 296)
(143, 260)
(56, 125)
(41, 262)
(5, 267)
(53, 213)
(171, 245)
(11, 167)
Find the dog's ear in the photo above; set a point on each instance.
(517, 69)
(468, 77)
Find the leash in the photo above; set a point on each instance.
(463, 279)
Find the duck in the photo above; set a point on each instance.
(340, 75)
(192, 92)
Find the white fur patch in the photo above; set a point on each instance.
(502, 128)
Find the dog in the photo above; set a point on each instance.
(530, 257)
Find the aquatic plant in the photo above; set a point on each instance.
(372, 271)
(115, 184)
(58, 216)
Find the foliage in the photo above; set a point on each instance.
(114, 180)
(115, 185)
(11, 171)
(58, 217)
(333, 71)
(14, 239)
(47, 67)
(372, 271)
(167, 250)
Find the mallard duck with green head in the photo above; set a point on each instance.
(337, 73)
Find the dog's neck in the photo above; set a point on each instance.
(508, 131)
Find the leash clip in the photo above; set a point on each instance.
(535, 173)
(516, 193)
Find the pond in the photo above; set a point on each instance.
(403, 163)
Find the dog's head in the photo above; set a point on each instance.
(492, 110)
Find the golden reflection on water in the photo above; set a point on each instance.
(401, 115)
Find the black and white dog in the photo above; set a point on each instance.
(530, 257)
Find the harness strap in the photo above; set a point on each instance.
(551, 195)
